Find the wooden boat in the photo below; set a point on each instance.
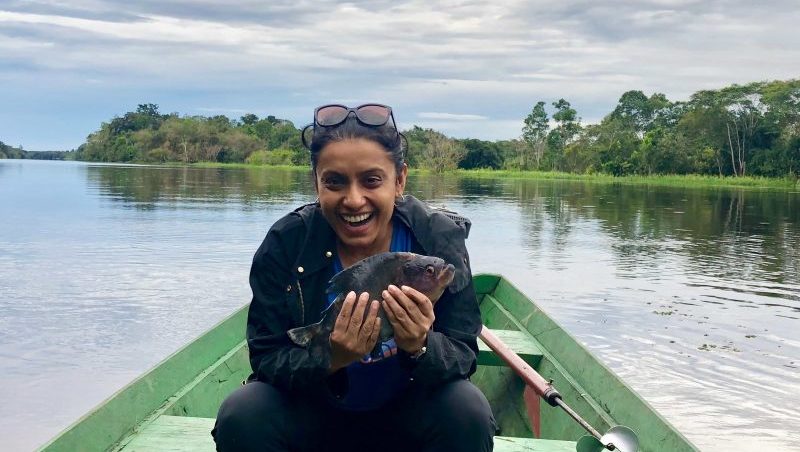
(172, 407)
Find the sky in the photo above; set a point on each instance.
(467, 68)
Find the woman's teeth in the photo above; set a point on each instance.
(356, 218)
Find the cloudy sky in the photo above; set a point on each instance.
(468, 68)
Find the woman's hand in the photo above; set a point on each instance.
(411, 314)
(354, 335)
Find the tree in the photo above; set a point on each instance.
(567, 128)
(480, 154)
(442, 153)
(745, 112)
(534, 133)
(640, 112)
(417, 141)
(8, 152)
(180, 135)
(249, 119)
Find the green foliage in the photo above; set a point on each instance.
(738, 130)
(8, 152)
(734, 131)
(568, 126)
(434, 150)
(480, 154)
(276, 157)
(534, 134)
(147, 136)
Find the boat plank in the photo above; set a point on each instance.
(174, 434)
(520, 342)
(184, 434)
(509, 444)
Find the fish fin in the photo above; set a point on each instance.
(343, 280)
(304, 335)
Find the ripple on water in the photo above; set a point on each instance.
(690, 295)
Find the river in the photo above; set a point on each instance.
(691, 295)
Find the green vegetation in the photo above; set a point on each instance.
(682, 180)
(734, 132)
(9, 152)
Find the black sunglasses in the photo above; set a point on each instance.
(371, 115)
(374, 115)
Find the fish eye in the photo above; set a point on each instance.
(430, 270)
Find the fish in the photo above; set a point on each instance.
(428, 274)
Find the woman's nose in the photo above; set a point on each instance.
(354, 198)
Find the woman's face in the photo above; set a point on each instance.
(357, 183)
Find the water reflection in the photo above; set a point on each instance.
(691, 295)
(151, 187)
(746, 237)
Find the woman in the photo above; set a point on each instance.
(417, 397)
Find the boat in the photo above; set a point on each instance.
(172, 407)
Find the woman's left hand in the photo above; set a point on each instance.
(411, 314)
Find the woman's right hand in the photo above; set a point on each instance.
(354, 335)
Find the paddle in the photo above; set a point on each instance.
(619, 438)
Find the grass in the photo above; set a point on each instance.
(673, 180)
(689, 180)
(246, 165)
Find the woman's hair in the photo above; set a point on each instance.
(386, 135)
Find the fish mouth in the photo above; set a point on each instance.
(357, 220)
(447, 274)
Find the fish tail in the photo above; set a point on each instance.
(304, 335)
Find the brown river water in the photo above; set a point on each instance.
(691, 295)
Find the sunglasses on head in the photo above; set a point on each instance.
(374, 115)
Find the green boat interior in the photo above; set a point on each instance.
(172, 407)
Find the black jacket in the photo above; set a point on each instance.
(290, 273)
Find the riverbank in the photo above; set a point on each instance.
(674, 180)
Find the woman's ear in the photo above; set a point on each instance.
(402, 176)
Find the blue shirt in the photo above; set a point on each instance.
(374, 380)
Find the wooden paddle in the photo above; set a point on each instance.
(617, 438)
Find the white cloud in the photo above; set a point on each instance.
(450, 116)
(488, 60)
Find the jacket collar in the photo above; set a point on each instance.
(438, 235)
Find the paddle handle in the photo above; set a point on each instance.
(531, 378)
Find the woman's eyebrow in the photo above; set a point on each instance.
(329, 172)
(370, 171)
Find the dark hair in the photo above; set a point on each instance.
(386, 135)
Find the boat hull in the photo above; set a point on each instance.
(193, 381)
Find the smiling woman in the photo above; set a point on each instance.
(357, 186)
(414, 396)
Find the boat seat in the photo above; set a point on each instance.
(521, 343)
(193, 434)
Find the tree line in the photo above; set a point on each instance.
(738, 130)
(10, 152)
